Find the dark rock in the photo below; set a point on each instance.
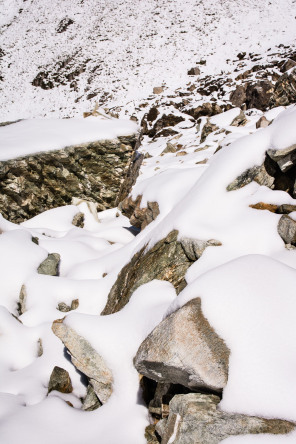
(166, 261)
(86, 359)
(167, 120)
(238, 97)
(64, 24)
(195, 419)
(258, 95)
(150, 435)
(288, 64)
(167, 132)
(241, 55)
(194, 71)
(184, 349)
(287, 229)
(60, 381)
(152, 114)
(285, 90)
(139, 217)
(50, 265)
(206, 109)
(131, 175)
(101, 172)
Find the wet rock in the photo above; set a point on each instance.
(139, 217)
(195, 419)
(99, 171)
(184, 349)
(287, 229)
(166, 261)
(60, 381)
(50, 265)
(86, 359)
(91, 402)
(285, 90)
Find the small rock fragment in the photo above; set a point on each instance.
(60, 381)
(50, 265)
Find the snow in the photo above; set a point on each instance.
(38, 135)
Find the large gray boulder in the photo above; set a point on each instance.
(86, 359)
(184, 349)
(194, 419)
(93, 171)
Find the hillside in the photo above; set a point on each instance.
(147, 271)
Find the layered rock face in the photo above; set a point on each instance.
(93, 171)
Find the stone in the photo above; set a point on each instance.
(184, 349)
(64, 24)
(139, 217)
(60, 381)
(206, 109)
(22, 300)
(287, 229)
(240, 120)
(194, 71)
(170, 148)
(157, 90)
(265, 206)
(258, 95)
(91, 402)
(50, 265)
(285, 158)
(289, 64)
(207, 129)
(152, 114)
(86, 359)
(166, 132)
(100, 172)
(63, 307)
(150, 435)
(166, 120)
(166, 260)
(285, 90)
(257, 173)
(238, 97)
(78, 220)
(195, 419)
(262, 122)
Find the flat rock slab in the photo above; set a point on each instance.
(194, 419)
(86, 359)
(184, 349)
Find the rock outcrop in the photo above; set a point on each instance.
(184, 349)
(194, 419)
(139, 217)
(94, 171)
(86, 359)
(167, 260)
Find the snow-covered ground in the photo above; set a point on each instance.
(121, 49)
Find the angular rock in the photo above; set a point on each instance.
(206, 109)
(207, 129)
(262, 122)
(285, 90)
(167, 120)
(157, 90)
(60, 381)
(139, 217)
(258, 95)
(50, 265)
(184, 349)
(78, 220)
(238, 97)
(86, 359)
(170, 148)
(93, 171)
(166, 261)
(285, 158)
(289, 64)
(240, 120)
(194, 419)
(257, 173)
(194, 71)
(91, 402)
(287, 229)
(63, 307)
